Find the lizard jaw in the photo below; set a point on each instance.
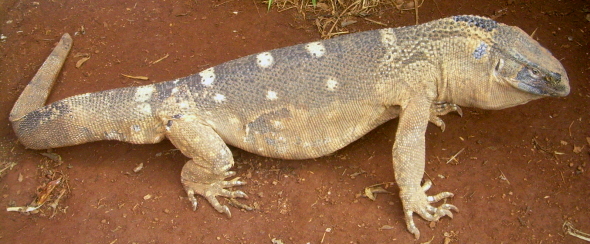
(560, 91)
(542, 83)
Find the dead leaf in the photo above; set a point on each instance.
(81, 62)
(386, 227)
(563, 143)
(372, 191)
(46, 191)
(369, 193)
(577, 149)
(323, 7)
(347, 21)
(138, 168)
(277, 241)
(53, 156)
(77, 55)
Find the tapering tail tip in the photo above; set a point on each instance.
(36, 92)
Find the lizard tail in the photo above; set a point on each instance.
(36, 92)
(116, 114)
(106, 115)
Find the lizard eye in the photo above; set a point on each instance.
(535, 72)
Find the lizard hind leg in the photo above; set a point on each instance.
(210, 162)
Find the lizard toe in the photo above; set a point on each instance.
(440, 196)
(231, 183)
(228, 174)
(446, 212)
(426, 186)
(192, 199)
(438, 109)
(410, 225)
(438, 122)
(458, 110)
(211, 191)
(418, 202)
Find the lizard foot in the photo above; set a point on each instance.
(210, 186)
(418, 202)
(439, 109)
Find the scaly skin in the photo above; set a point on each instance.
(307, 101)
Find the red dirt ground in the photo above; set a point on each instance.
(508, 189)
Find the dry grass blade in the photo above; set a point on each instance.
(160, 59)
(569, 229)
(9, 152)
(332, 17)
(454, 157)
(136, 77)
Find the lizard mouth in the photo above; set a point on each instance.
(544, 89)
(542, 83)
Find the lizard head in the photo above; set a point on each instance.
(504, 67)
(527, 66)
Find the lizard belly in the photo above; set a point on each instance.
(292, 133)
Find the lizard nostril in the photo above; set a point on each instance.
(553, 78)
(556, 77)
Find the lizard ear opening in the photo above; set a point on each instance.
(499, 65)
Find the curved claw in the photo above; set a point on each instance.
(458, 110)
(437, 121)
(410, 224)
(418, 202)
(443, 108)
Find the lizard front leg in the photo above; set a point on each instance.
(210, 162)
(408, 163)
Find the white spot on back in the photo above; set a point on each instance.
(144, 108)
(136, 128)
(271, 95)
(219, 98)
(144, 93)
(264, 59)
(388, 38)
(331, 84)
(316, 49)
(174, 90)
(207, 76)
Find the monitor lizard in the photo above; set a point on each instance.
(307, 101)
